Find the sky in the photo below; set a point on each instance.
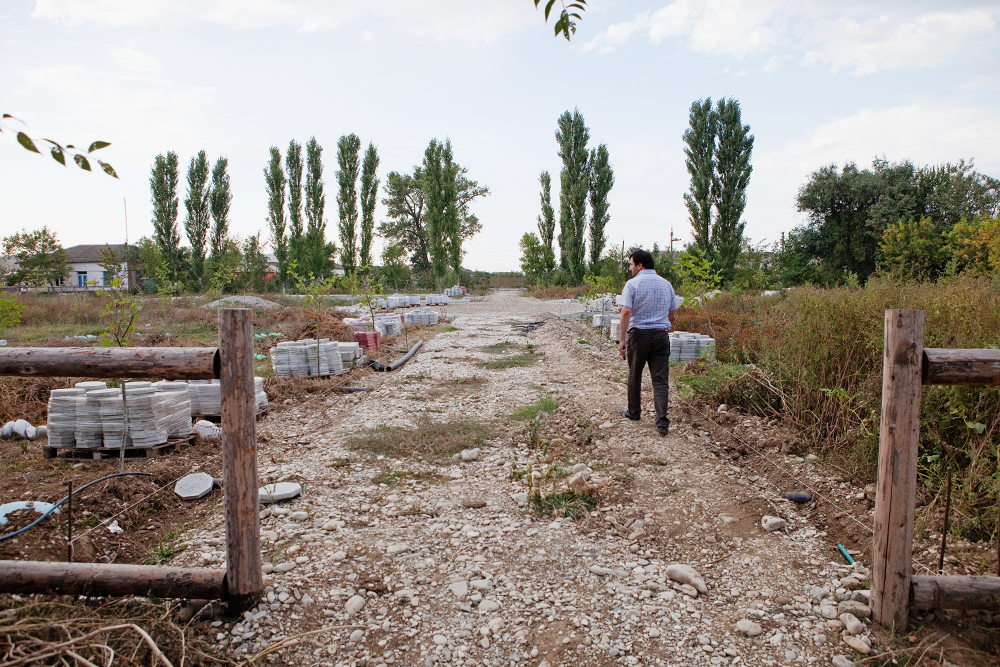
(818, 83)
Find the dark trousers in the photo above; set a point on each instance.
(652, 347)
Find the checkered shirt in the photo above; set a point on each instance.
(650, 297)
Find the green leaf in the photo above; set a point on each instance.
(82, 162)
(977, 427)
(97, 145)
(54, 143)
(108, 169)
(536, 7)
(7, 115)
(548, 8)
(26, 141)
(57, 155)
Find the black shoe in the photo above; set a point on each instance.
(625, 413)
(662, 432)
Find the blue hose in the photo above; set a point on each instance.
(56, 506)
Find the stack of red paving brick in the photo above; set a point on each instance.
(369, 339)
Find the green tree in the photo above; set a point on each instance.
(537, 259)
(547, 220)
(222, 199)
(915, 249)
(274, 178)
(227, 267)
(729, 185)
(348, 147)
(296, 232)
(198, 208)
(319, 253)
(700, 162)
(253, 267)
(163, 182)
(406, 209)
(602, 179)
(572, 136)
(973, 246)
(439, 191)
(394, 268)
(369, 193)
(40, 258)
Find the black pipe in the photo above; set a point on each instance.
(402, 360)
(56, 506)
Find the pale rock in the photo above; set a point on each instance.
(855, 608)
(482, 584)
(776, 639)
(842, 661)
(330, 525)
(828, 610)
(471, 454)
(856, 643)
(396, 549)
(579, 467)
(459, 588)
(357, 635)
(850, 583)
(852, 624)
(354, 605)
(749, 628)
(299, 516)
(339, 556)
(685, 574)
(487, 606)
(440, 640)
(601, 571)
(520, 498)
(772, 523)
(284, 567)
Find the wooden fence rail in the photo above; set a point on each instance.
(242, 582)
(906, 367)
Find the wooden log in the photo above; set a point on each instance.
(960, 592)
(969, 367)
(897, 466)
(172, 363)
(245, 580)
(98, 579)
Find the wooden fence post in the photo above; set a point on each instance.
(244, 580)
(899, 437)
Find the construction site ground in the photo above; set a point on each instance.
(402, 551)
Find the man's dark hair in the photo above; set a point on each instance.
(642, 257)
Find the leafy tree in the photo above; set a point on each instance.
(253, 267)
(729, 185)
(40, 258)
(440, 194)
(407, 226)
(319, 253)
(163, 182)
(198, 208)
(10, 311)
(59, 152)
(756, 268)
(973, 246)
(120, 310)
(150, 264)
(565, 23)
(274, 178)
(394, 268)
(915, 249)
(572, 136)
(369, 193)
(347, 199)
(547, 220)
(700, 163)
(221, 200)
(227, 266)
(602, 179)
(296, 233)
(537, 259)
(115, 264)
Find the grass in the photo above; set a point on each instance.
(544, 405)
(500, 348)
(391, 477)
(168, 548)
(513, 355)
(573, 505)
(446, 328)
(433, 441)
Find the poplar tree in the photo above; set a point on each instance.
(369, 193)
(163, 183)
(348, 147)
(602, 179)
(296, 235)
(198, 213)
(222, 199)
(572, 136)
(547, 222)
(318, 252)
(729, 185)
(441, 193)
(274, 178)
(700, 163)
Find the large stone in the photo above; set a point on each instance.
(459, 588)
(685, 574)
(856, 608)
(601, 571)
(194, 486)
(842, 661)
(520, 498)
(487, 606)
(482, 584)
(856, 643)
(471, 454)
(772, 523)
(852, 624)
(354, 605)
(272, 493)
(749, 628)
(396, 549)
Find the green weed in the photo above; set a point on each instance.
(573, 505)
(544, 405)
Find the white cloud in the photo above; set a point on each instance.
(366, 36)
(440, 19)
(845, 36)
(131, 58)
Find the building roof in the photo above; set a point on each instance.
(91, 254)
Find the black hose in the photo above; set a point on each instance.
(402, 360)
(75, 492)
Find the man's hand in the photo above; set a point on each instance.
(622, 347)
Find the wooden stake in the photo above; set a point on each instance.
(244, 580)
(897, 466)
(947, 516)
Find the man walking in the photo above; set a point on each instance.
(648, 304)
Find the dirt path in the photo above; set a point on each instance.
(433, 581)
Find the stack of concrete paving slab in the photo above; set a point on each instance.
(62, 412)
(686, 346)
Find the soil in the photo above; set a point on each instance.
(398, 531)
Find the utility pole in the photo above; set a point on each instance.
(672, 239)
